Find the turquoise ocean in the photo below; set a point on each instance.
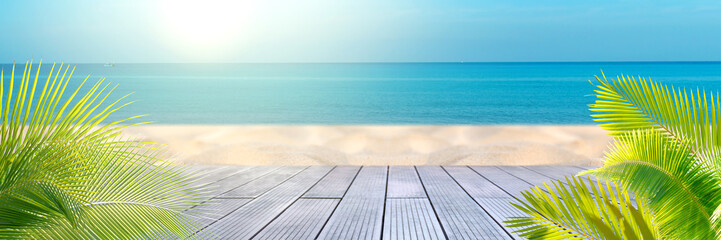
(375, 93)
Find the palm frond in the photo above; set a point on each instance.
(693, 117)
(570, 211)
(682, 193)
(65, 174)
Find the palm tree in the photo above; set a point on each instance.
(666, 152)
(64, 175)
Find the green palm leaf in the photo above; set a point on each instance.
(689, 117)
(678, 169)
(570, 211)
(667, 151)
(63, 175)
(682, 193)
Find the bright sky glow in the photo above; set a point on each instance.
(360, 31)
(204, 24)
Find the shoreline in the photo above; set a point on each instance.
(206, 144)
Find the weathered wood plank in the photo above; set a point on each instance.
(360, 213)
(556, 172)
(335, 184)
(403, 182)
(198, 174)
(509, 183)
(411, 218)
(262, 184)
(249, 219)
(495, 202)
(460, 216)
(586, 167)
(237, 180)
(561, 172)
(475, 184)
(302, 220)
(529, 176)
(218, 208)
(373, 203)
(213, 175)
(501, 209)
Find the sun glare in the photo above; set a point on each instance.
(204, 23)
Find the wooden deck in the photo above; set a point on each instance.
(352, 202)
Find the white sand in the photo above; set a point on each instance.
(378, 145)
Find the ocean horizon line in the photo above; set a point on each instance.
(381, 62)
(376, 93)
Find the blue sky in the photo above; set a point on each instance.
(360, 31)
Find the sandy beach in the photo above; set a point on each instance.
(378, 145)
